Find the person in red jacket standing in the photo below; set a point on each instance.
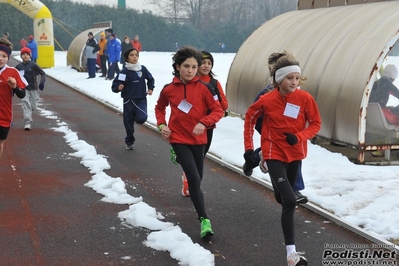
(290, 118)
(136, 43)
(23, 42)
(194, 107)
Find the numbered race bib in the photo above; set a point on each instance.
(292, 110)
(122, 77)
(185, 106)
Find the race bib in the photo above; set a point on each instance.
(185, 106)
(292, 110)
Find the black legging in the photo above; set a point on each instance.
(191, 159)
(283, 177)
(209, 134)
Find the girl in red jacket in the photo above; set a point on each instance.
(194, 107)
(205, 74)
(291, 117)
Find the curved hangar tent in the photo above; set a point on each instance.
(75, 55)
(341, 50)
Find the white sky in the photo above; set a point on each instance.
(136, 4)
(359, 194)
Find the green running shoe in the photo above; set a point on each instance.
(206, 228)
(173, 156)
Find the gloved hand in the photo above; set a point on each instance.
(249, 163)
(41, 86)
(248, 155)
(291, 138)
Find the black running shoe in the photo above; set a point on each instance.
(300, 198)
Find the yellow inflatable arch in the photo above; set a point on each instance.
(42, 28)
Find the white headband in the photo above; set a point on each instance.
(284, 71)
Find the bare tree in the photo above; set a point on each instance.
(194, 10)
(271, 8)
(209, 13)
(171, 9)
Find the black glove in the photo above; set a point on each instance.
(291, 138)
(41, 86)
(248, 155)
(249, 162)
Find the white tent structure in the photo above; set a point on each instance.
(75, 55)
(340, 49)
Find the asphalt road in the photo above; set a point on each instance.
(48, 216)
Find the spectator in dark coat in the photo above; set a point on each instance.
(380, 93)
(126, 45)
(91, 55)
(384, 87)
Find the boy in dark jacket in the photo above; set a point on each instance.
(30, 70)
(131, 83)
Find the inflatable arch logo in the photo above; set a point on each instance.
(42, 28)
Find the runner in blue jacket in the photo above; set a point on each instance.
(131, 82)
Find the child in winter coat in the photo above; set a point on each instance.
(194, 107)
(30, 70)
(291, 117)
(131, 83)
(12, 82)
(205, 74)
(252, 162)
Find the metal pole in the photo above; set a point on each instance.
(121, 3)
